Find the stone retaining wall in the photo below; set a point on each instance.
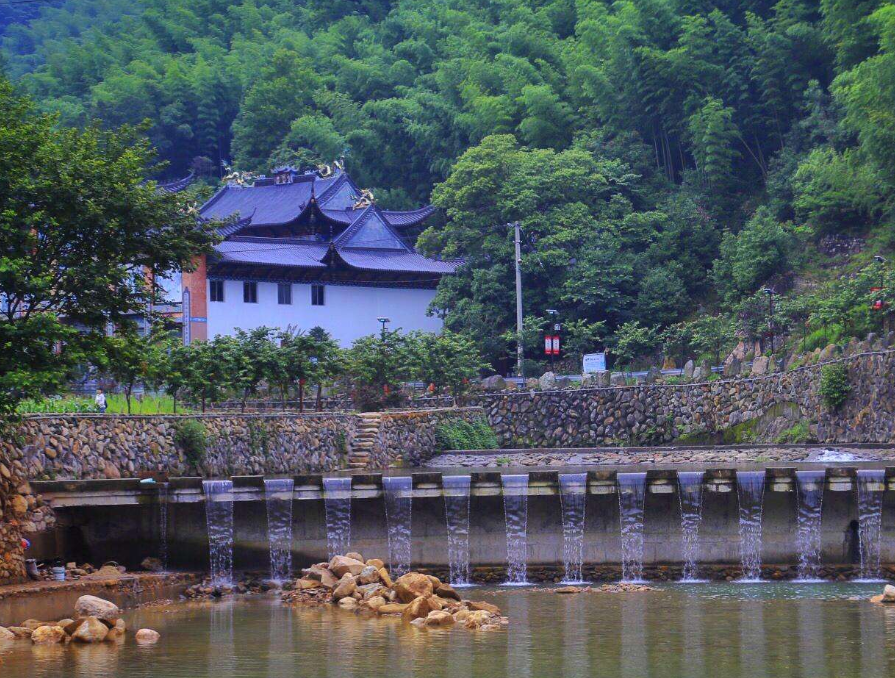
(753, 410)
(409, 437)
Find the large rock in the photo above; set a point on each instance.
(689, 368)
(376, 603)
(617, 379)
(494, 383)
(369, 575)
(760, 366)
(701, 373)
(321, 574)
(732, 367)
(346, 587)
(392, 608)
(439, 618)
(413, 585)
(91, 606)
(547, 382)
(447, 591)
(147, 636)
(482, 605)
(91, 630)
(889, 594)
(385, 578)
(418, 607)
(6, 634)
(45, 635)
(339, 565)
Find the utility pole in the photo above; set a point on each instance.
(519, 348)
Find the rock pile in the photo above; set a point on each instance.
(208, 589)
(365, 587)
(95, 620)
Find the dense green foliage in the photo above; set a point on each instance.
(834, 385)
(190, 437)
(79, 226)
(458, 434)
(666, 158)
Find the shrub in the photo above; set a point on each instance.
(190, 439)
(798, 433)
(834, 385)
(465, 435)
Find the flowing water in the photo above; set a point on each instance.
(278, 496)
(692, 631)
(456, 514)
(515, 510)
(398, 505)
(163, 525)
(750, 493)
(631, 499)
(573, 496)
(810, 485)
(690, 495)
(219, 516)
(871, 484)
(337, 505)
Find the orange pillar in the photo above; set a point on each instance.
(195, 289)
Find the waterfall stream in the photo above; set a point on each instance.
(871, 485)
(398, 505)
(690, 495)
(337, 506)
(573, 496)
(810, 487)
(219, 515)
(750, 493)
(631, 500)
(278, 496)
(456, 514)
(515, 509)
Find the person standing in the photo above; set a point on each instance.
(100, 401)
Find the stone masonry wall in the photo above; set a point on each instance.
(409, 437)
(661, 413)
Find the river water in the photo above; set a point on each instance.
(681, 631)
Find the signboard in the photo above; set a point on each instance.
(555, 344)
(594, 362)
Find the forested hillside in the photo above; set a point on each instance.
(667, 158)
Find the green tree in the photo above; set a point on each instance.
(446, 360)
(131, 358)
(78, 225)
(377, 365)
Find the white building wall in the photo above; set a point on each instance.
(349, 311)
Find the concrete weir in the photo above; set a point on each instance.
(117, 519)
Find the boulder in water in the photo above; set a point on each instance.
(91, 606)
(147, 636)
(6, 634)
(339, 565)
(90, 630)
(45, 635)
(413, 585)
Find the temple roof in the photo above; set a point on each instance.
(178, 185)
(268, 203)
(361, 235)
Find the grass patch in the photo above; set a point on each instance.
(116, 403)
(798, 433)
(459, 434)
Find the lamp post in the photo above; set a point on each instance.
(880, 302)
(384, 322)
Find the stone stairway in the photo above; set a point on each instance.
(362, 446)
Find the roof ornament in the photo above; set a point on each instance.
(234, 178)
(365, 200)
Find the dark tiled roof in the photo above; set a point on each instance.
(399, 262)
(273, 252)
(179, 185)
(370, 230)
(270, 205)
(410, 217)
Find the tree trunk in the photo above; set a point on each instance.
(319, 399)
(174, 398)
(301, 396)
(127, 397)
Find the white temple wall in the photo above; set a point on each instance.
(349, 311)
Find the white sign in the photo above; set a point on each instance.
(594, 362)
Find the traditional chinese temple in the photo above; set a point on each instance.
(307, 249)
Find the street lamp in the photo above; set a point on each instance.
(384, 321)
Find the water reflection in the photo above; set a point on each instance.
(687, 631)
